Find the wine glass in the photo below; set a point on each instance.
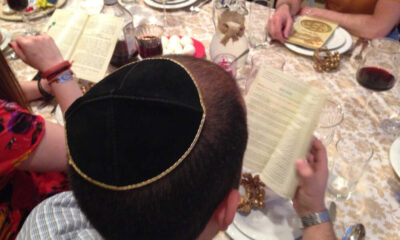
(257, 31)
(20, 6)
(378, 71)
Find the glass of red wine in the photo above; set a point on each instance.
(148, 40)
(379, 70)
(20, 6)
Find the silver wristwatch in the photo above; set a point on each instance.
(315, 218)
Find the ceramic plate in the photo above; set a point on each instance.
(6, 38)
(198, 46)
(183, 4)
(35, 15)
(277, 221)
(169, 2)
(235, 233)
(394, 156)
(335, 40)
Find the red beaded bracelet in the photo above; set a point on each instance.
(56, 69)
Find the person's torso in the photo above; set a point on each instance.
(351, 6)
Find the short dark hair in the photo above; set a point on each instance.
(179, 205)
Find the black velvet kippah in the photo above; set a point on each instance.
(136, 125)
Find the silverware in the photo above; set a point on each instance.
(363, 46)
(247, 51)
(240, 56)
(355, 232)
(196, 9)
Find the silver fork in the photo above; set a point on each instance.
(196, 9)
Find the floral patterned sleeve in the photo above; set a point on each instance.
(20, 134)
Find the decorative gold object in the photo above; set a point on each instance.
(326, 62)
(255, 193)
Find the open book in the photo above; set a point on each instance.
(88, 41)
(282, 113)
(311, 32)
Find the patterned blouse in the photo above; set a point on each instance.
(20, 191)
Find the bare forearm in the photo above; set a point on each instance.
(319, 231)
(295, 5)
(66, 93)
(361, 25)
(376, 25)
(30, 90)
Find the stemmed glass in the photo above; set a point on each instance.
(378, 72)
(20, 6)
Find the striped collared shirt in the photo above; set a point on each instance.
(58, 218)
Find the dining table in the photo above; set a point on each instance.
(375, 202)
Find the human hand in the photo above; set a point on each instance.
(39, 51)
(280, 25)
(313, 177)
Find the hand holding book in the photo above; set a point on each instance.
(282, 113)
(313, 177)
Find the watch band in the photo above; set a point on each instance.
(46, 96)
(315, 218)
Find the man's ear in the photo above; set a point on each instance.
(225, 212)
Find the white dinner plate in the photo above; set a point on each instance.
(236, 234)
(169, 2)
(339, 33)
(394, 156)
(277, 221)
(59, 116)
(6, 38)
(336, 40)
(183, 4)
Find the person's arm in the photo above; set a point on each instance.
(280, 25)
(31, 90)
(385, 17)
(50, 155)
(41, 52)
(310, 194)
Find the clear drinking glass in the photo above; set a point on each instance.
(350, 162)
(225, 61)
(330, 117)
(148, 40)
(259, 15)
(264, 57)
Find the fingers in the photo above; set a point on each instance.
(18, 51)
(305, 172)
(321, 160)
(288, 27)
(275, 29)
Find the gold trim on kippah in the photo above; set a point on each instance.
(161, 175)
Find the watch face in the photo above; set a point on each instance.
(65, 77)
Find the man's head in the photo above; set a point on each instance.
(195, 195)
